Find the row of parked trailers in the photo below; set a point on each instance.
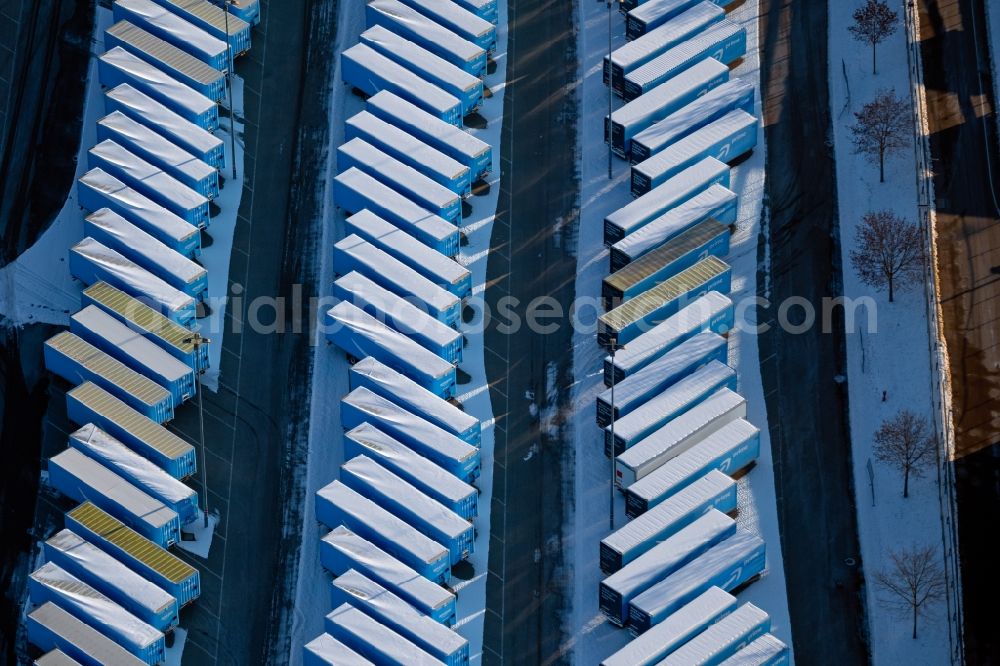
(110, 590)
(671, 417)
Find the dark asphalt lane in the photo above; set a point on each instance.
(526, 589)
(807, 408)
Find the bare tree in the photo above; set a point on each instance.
(914, 579)
(905, 442)
(889, 252)
(883, 128)
(873, 23)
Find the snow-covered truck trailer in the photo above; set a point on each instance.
(723, 639)
(680, 627)
(360, 335)
(639, 51)
(440, 446)
(155, 564)
(459, 20)
(707, 238)
(661, 101)
(652, 415)
(140, 472)
(354, 191)
(90, 262)
(337, 504)
(689, 183)
(683, 360)
(443, 271)
(151, 181)
(426, 32)
(715, 490)
(452, 79)
(679, 435)
(725, 41)
(381, 604)
(82, 478)
(55, 657)
(98, 189)
(652, 14)
(666, 557)
(144, 109)
(410, 150)
(643, 312)
(382, 380)
(374, 640)
(427, 477)
(736, 94)
(325, 650)
(163, 55)
(401, 314)
(118, 66)
(484, 9)
(172, 28)
(248, 10)
(711, 312)
(730, 449)
(49, 627)
(406, 180)
(450, 140)
(207, 16)
(137, 352)
(89, 403)
(726, 139)
(52, 583)
(765, 650)
(113, 579)
(354, 253)
(406, 501)
(717, 202)
(160, 151)
(111, 229)
(729, 565)
(76, 360)
(367, 70)
(341, 550)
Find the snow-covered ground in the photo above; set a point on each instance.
(312, 598)
(893, 355)
(591, 637)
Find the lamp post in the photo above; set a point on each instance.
(229, 84)
(607, 127)
(614, 346)
(197, 341)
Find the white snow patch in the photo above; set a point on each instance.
(176, 651)
(202, 534)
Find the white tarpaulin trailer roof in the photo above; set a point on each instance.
(155, 177)
(404, 141)
(679, 27)
(330, 651)
(681, 86)
(428, 28)
(180, 30)
(444, 132)
(377, 639)
(694, 144)
(707, 646)
(161, 116)
(419, 88)
(433, 64)
(682, 53)
(395, 171)
(56, 657)
(167, 151)
(182, 95)
(82, 636)
(760, 652)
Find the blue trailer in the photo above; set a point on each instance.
(98, 189)
(664, 558)
(406, 180)
(662, 101)
(118, 66)
(374, 640)
(49, 627)
(355, 191)
(113, 579)
(248, 10)
(441, 447)
(726, 139)
(484, 9)
(325, 650)
(737, 94)
(139, 554)
(382, 380)
(459, 20)
(653, 14)
(443, 271)
(450, 140)
(690, 182)
(342, 550)
(159, 151)
(723, 639)
(214, 21)
(169, 26)
(450, 78)
(146, 110)
(369, 71)
(638, 52)
(89, 403)
(336, 504)
(707, 238)
(765, 650)
(725, 41)
(431, 35)
(728, 565)
(410, 150)
(356, 254)
(713, 491)
(730, 449)
(390, 610)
